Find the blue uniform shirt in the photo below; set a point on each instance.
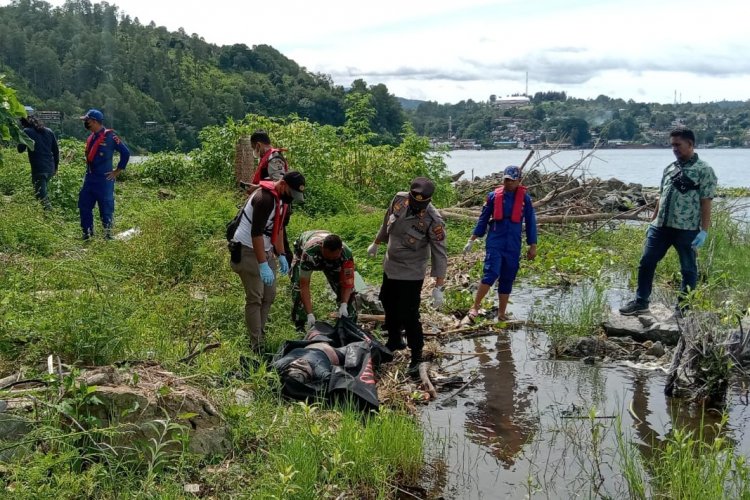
(102, 162)
(505, 234)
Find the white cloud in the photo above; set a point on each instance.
(449, 51)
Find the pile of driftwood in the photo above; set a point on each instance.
(567, 195)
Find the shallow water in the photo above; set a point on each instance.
(521, 429)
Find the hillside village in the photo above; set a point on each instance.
(553, 119)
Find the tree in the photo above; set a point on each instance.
(10, 111)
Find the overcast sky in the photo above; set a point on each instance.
(452, 50)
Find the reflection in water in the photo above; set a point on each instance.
(502, 419)
(503, 440)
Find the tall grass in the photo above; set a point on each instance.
(578, 313)
(686, 465)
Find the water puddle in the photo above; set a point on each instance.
(521, 429)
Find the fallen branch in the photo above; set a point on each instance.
(424, 375)
(193, 355)
(462, 388)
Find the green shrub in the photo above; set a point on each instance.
(166, 168)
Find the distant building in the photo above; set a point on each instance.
(511, 101)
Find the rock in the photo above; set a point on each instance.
(661, 326)
(646, 320)
(166, 194)
(593, 347)
(368, 301)
(656, 350)
(589, 360)
(138, 396)
(243, 397)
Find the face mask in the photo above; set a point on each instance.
(417, 206)
(286, 198)
(87, 124)
(256, 154)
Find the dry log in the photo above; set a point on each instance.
(554, 219)
(424, 375)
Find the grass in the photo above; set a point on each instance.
(156, 297)
(574, 315)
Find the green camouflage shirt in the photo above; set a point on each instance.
(308, 251)
(683, 210)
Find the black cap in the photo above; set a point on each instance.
(421, 189)
(296, 182)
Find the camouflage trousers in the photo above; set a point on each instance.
(299, 316)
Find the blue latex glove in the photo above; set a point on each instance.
(699, 240)
(283, 264)
(266, 274)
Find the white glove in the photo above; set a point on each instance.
(469, 244)
(372, 250)
(437, 297)
(310, 321)
(344, 310)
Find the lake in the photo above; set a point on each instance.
(643, 166)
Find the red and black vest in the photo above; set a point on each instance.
(262, 171)
(517, 212)
(92, 146)
(278, 215)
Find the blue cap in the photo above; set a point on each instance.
(94, 114)
(512, 172)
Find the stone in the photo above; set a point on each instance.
(243, 397)
(589, 360)
(368, 301)
(656, 349)
(166, 194)
(138, 396)
(660, 325)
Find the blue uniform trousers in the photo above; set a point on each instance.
(501, 266)
(96, 190)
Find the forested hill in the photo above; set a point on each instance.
(157, 88)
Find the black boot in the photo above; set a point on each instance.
(416, 360)
(395, 343)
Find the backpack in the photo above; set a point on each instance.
(233, 224)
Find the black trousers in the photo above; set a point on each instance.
(400, 299)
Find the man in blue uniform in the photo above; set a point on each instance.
(507, 208)
(99, 181)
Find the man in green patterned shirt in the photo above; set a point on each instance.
(320, 250)
(681, 220)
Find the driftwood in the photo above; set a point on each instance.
(704, 358)
(424, 375)
(462, 388)
(553, 219)
(568, 195)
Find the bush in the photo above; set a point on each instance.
(166, 168)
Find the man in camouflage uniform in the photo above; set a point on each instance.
(320, 250)
(414, 231)
(681, 219)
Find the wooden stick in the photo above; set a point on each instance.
(424, 374)
(191, 356)
(528, 157)
(462, 388)
(363, 317)
(456, 362)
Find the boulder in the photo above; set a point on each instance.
(140, 395)
(658, 325)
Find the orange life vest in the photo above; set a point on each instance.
(517, 212)
(263, 164)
